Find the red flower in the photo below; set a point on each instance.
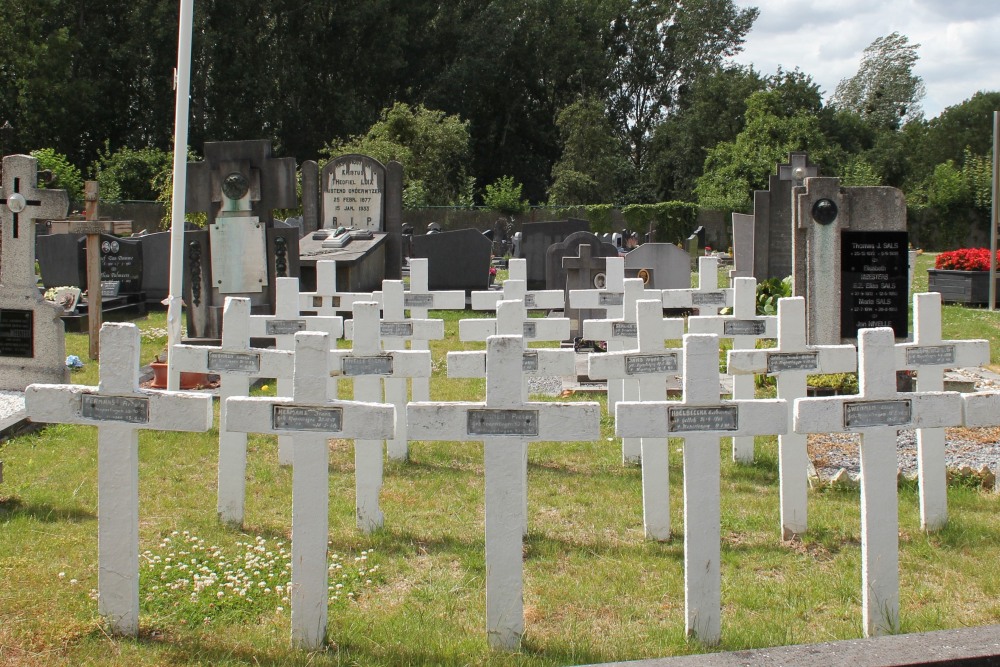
(964, 259)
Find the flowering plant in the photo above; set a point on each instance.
(964, 259)
(493, 270)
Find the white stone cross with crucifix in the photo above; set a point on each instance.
(282, 327)
(418, 299)
(235, 362)
(118, 408)
(311, 417)
(929, 355)
(706, 298)
(791, 362)
(367, 364)
(649, 364)
(326, 300)
(503, 423)
(745, 327)
(515, 288)
(701, 418)
(877, 413)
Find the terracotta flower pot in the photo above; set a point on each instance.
(188, 380)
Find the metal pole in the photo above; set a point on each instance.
(994, 211)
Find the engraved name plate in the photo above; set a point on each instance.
(641, 364)
(876, 413)
(529, 300)
(610, 298)
(418, 300)
(743, 327)
(529, 329)
(503, 422)
(130, 409)
(792, 361)
(708, 298)
(376, 365)
(624, 330)
(933, 355)
(321, 420)
(722, 418)
(248, 362)
(283, 327)
(395, 329)
(529, 361)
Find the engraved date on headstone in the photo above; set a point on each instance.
(931, 355)
(529, 330)
(722, 418)
(644, 364)
(130, 409)
(321, 420)
(877, 413)
(503, 422)
(743, 327)
(376, 365)
(708, 298)
(792, 361)
(610, 299)
(248, 362)
(284, 327)
(624, 330)
(529, 361)
(418, 300)
(395, 329)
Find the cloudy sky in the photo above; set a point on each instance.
(959, 41)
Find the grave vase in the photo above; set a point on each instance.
(970, 287)
(188, 380)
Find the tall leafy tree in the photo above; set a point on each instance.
(593, 163)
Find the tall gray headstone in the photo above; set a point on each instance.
(743, 247)
(659, 265)
(535, 239)
(772, 218)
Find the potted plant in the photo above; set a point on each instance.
(961, 276)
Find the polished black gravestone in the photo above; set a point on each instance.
(455, 260)
(536, 237)
(875, 282)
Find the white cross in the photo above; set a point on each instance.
(701, 419)
(649, 364)
(792, 361)
(877, 413)
(311, 417)
(394, 330)
(367, 365)
(419, 299)
(235, 362)
(21, 204)
(282, 327)
(326, 300)
(515, 288)
(929, 356)
(503, 422)
(745, 327)
(707, 298)
(118, 408)
(532, 328)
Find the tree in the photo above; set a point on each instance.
(592, 163)
(65, 176)
(885, 91)
(130, 174)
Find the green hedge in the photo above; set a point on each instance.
(673, 221)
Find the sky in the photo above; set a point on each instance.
(959, 41)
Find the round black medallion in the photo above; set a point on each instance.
(824, 211)
(235, 185)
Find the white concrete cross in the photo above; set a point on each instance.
(367, 364)
(707, 298)
(929, 355)
(515, 288)
(419, 299)
(877, 413)
(791, 362)
(532, 328)
(503, 422)
(118, 408)
(311, 417)
(326, 300)
(235, 362)
(745, 327)
(701, 419)
(649, 364)
(394, 330)
(282, 327)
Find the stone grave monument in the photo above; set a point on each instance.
(774, 232)
(659, 265)
(457, 260)
(556, 273)
(706, 298)
(515, 288)
(534, 241)
(743, 247)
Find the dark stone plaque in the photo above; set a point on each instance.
(418, 300)
(503, 422)
(743, 327)
(708, 298)
(721, 418)
(529, 301)
(376, 365)
(624, 330)
(284, 327)
(17, 333)
(110, 288)
(792, 361)
(874, 282)
(320, 420)
(930, 355)
(529, 361)
(130, 409)
(121, 260)
(876, 413)
(395, 329)
(248, 362)
(643, 364)
(529, 330)
(610, 299)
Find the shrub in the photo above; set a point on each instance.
(65, 176)
(964, 259)
(504, 196)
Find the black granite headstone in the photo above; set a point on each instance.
(59, 260)
(455, 260)
(875, 282)
(155, 265)
(536, 237)
(121, 260)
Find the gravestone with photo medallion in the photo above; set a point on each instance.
(659, 265)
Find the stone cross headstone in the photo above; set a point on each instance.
(772, 229)
(235, 362)
(118, 408)
(532, 328)
(649, 364)
(707, 298)
(503, 422)
(32, 340)
(929, 356)
(791, 362)
(326, 300)
(877, 413)
(311, 417)
(419, 299)
(745, 327)
(515, 288)
(701, 418)
(585, 272)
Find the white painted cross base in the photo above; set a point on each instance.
(707, 298)
(701, 419)
(311, 417)
(118, 408)
(877, 413)
(503, 422)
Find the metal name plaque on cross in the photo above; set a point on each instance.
(792, 361)
(743, 327)
(322, 420)
(610, 299)
(284, 327)
(529, 300)
(529, 329)
(418, 300)
(248, 362)
(708, 298)
(624, 330)
(644, 364)
(503, 422)
(876, 413)
(130, 409)
(721, 418)
(377, 365)
(395, 329)
(529, 361)
(931, 355)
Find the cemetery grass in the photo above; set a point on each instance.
(595, 590)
